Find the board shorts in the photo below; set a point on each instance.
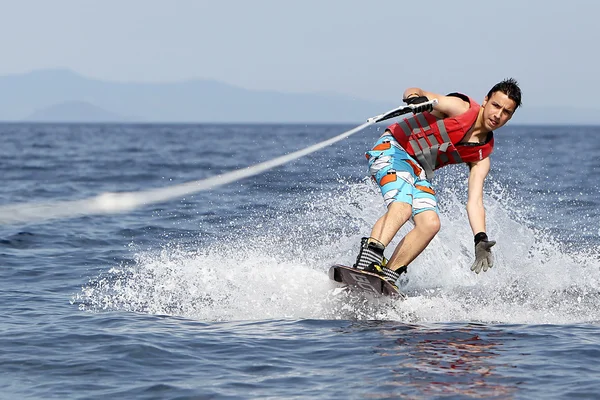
(399, 176)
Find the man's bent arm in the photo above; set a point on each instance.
(447, 106)
(475, 209)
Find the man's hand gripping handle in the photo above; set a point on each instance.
(414, 108)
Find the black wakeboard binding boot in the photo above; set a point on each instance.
(370, 258)
(370, 255)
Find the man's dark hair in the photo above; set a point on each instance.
(509, 87)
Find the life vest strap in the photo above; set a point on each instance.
(426, 154)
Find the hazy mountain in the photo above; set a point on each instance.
(74, 111)
(63, 95)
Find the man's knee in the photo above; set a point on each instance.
(428, 222)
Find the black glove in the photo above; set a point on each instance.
(483, 253)
(418, 100)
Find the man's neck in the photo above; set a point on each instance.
(479, 130)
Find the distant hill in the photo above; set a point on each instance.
(74, 111)
(22, 96)
(57, 95)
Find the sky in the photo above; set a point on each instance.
(371, 50)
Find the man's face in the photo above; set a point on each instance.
(497, 110)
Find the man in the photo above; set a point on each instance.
(403, 160)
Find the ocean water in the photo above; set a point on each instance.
(225, 294)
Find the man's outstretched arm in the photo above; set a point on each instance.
(477, 173)
(476, 213)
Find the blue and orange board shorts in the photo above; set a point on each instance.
(399, 176)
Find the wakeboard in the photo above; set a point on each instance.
(364, 281)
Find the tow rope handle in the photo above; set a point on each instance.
(399, 111)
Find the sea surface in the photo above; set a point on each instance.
(224, 294)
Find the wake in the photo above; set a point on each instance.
(113, 203)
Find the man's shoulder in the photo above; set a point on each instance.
(467, 99)
(457, 104)
(461, 96)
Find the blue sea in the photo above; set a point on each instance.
(224, 294)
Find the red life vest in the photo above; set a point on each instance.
(435, 142)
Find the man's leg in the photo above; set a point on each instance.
(390, 223)
(384, 230)
(427, 225)
(395, 173)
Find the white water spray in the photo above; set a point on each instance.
(279, 271)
